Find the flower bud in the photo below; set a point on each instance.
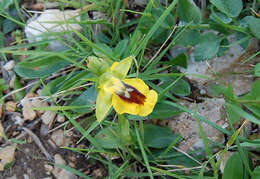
(97, 65)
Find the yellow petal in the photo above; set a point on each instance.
(147, 108)
(138, 84)
(103, 104)
(122, 106)
(120, 69)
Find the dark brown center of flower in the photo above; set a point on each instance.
(132, 95)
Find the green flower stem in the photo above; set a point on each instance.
(124, 129)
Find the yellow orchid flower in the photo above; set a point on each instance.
(131, 96)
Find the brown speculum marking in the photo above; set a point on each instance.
(132, 95)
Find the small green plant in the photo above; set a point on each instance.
(125, 74)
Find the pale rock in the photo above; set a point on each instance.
(7, 155)
(11, 82)
(28, 112)
(18, 120)
(58, 137)
(60, 118)
(25, 176)
(9, 65)
(48, 169)
(48, 117)
(55, 21)
(64, 174)
(98, 173)
(186, 125)
(59, 160)
(60, 173)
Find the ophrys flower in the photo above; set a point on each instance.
(130, 96)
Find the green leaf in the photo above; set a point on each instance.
(189, 37)
(8, 26)
(88, 97)
(234, 167)
(164, 111)
(109, 137)
(188, 11)
(181, 88)
(180, 60)
(222, 17)
(2, 39)
(233, 116)
(222, 50)
(231, 8)
(6, 3)
(257, 69)
(254, 26)
(40, 68)
(121, 48)
(243, 113)
(17, 85)
(207, 48)
(158, 137)
(256, 173)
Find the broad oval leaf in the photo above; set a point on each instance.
(207, 48)
(109, 138)
(40, 68)
(87, 98)
(188, 11)
(158, 137)
(231, 8)
(233, 168)
(254, 26)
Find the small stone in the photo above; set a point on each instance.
(60, 118)
(25, 176)
(10, 106)
(9, 65)
(48, 117)
(7, 155)
(18, 120)
(58, 137)
(11, 83)
(65, 174)
(28, 112)
(30, 140)
(56, 22)
(52, 143)
(71, 164)
(98, 173)
(58, 160)
(48, 169)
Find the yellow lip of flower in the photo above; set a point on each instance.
(130, 96)
(138, 101)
